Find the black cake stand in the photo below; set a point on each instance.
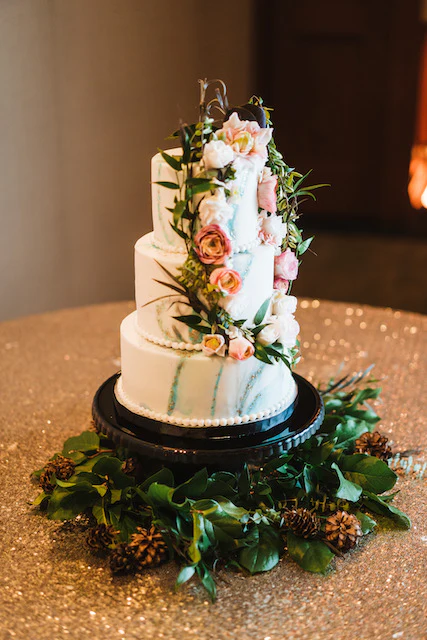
(224, 447)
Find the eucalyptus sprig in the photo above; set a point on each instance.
(235, 520)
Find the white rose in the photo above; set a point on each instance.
(214, 209)
(283, 304)
(272, 229)
(217, 154)
(268, 335)
(288, 329)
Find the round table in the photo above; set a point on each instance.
(52, 587)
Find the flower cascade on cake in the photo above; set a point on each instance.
(207, 171)
(223, 257)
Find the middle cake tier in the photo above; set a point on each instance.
(157, 304)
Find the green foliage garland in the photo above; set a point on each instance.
(232, 520)
(192, 284)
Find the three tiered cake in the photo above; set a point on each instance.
(213, 339)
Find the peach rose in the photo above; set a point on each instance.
(286, 265)
(227, 280)
(241, 348)
(212, 344)
(246, 137)
(212, 244)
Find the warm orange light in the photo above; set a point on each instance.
(424, 198)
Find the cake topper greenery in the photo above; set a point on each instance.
(313, 503)
(216, 156)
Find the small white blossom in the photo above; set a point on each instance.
(214, 209)
(217, 154)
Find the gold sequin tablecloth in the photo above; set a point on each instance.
(51, 587)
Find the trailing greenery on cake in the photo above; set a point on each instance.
(313, 503)
(213, 153)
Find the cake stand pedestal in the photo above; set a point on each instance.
(185, 450)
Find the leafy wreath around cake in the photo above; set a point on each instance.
(215, 154)
(315, 502)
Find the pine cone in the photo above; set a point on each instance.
(149, 547)
(101, 536)
(374, 444)
(343, 530)
(132, 467)
(122, 559)
(62, 467)
(301, 522)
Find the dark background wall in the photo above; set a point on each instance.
(90, 88)
(343, 76)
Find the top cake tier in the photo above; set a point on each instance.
(242, 224)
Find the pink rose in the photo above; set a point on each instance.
(241, 348)
(286, 265)
(281, 284)
(267, 191)
(245, 137)
(227, 280)
(213, 344)
(212, 244)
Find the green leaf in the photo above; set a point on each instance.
(231, 509)
(198, 531)
(191, 320)
(309, 478)
(202, 328)
(98, 512)
(193, 488)
(322, 453)
(201, 188)
(260, 314)
(311, 555)
(260, 354)
(367, 523)
(348, 431)
(88, 464)
(244, 483)
(184, 575)
(207, 581)
(264, 554)
(40, 498)
(347, 490)
(86, 442)
(126, 525)
(377, 505)
(164, 476)
(370, 473)
(66, 504)
(303, 246)
(178, 211)
(196, 181)
(173, 161)
(179, 231)
(160, 494)
(107, 466)
(168, 185)
(116, 495)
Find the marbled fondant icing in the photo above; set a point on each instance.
(186, 387)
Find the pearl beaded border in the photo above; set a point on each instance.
(202, 422)
(182, 250)
(162, 342)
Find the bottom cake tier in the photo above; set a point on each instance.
(191, 389)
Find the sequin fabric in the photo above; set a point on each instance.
(51, 587)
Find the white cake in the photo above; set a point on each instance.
(202, 370)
